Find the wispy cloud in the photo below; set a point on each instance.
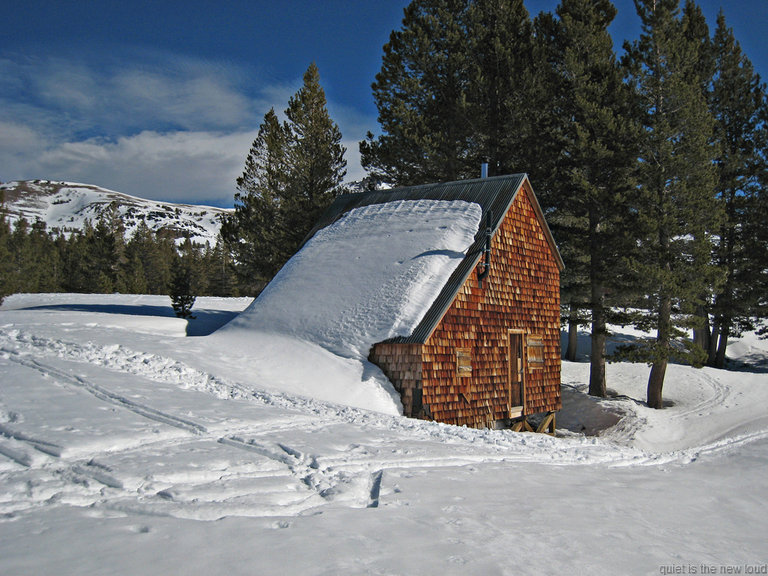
(164, 128)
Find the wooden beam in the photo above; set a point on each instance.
(547, 425)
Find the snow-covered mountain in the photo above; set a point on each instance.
(65, 207)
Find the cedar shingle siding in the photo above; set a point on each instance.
(518, 303)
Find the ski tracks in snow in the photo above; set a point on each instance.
(255, 453)
(294, 483)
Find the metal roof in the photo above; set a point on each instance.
(494, 195)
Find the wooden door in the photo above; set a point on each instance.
(517, 369)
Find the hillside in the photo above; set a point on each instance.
(65, 207)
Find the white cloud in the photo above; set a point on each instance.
(177, 132)
(194, 167)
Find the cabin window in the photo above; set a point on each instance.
(463, 362)
(535, 346)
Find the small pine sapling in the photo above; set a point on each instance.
(181, 292)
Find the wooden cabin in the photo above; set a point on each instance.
(487, 352)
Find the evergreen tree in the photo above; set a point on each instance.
(134, 276)
(452, 91)
(219, 271)
(42, 269)
(590, 184)
(252, 233)
(75, 261)
(315, 162)
(421, 96)
(19, 247)
(739, 106)
(185, 279)
(102, 257)
(155, 254)
(676, 201)
(500, 52)
(114, 221)
(292, 173)
(6, 269)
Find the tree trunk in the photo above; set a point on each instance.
(661, 353)
(656, 382)
(597, 385)
(713, 339)
(573, 334)
(702, 335)
(722, 345)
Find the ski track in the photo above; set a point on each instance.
(269, 477)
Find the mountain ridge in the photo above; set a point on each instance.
(65, 207)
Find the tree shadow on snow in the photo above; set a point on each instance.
(205, 322)
(121, 309)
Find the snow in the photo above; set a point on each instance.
(368, 277)
(132, 442)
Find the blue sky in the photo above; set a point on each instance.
(161, 99)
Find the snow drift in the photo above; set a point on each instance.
(368, 277)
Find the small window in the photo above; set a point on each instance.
(535, 351)
(463, 362)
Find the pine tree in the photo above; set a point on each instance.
(739, 106)
(676, 201)
(185, 279)
(315, 162)
(590, 131)
(500, 52)
(19, 247)
(252, 232)
(155, 253)
(42, 271)
(219, 271)
(74, 257)
(452, 92)
(102, 257)
(421, 96)
(181, 292)
(292, 173)
(6, 284)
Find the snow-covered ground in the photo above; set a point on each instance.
(132, 442)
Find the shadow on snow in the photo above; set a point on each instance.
(204, 323)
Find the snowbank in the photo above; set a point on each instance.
(370, 276)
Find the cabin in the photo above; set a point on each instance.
(486, 352)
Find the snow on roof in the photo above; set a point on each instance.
(368, 277)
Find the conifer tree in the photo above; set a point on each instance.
(421, 96)
(74, 258)
(219, 271)
(315, 163)
(252, 233)
(675, 201)
(19, 247)
(6, 285)
(590, 131)
(102, 252)
(185, 279)
(292, 173)
(501, 76)
(739, 105)
(452, 91)
(42, 267)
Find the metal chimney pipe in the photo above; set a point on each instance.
(484, 170)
